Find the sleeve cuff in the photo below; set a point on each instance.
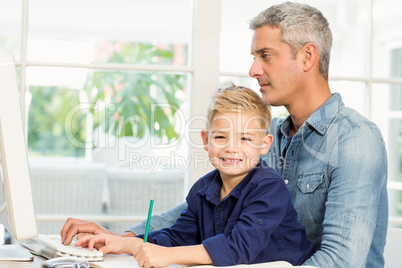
(138, 229)
(218, 250)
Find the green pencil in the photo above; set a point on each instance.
(151, 204)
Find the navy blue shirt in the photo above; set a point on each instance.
(255, 223)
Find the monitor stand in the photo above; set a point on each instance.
(15, 252)
(12, 252)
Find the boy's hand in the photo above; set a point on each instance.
(151, 255)
(108, 243)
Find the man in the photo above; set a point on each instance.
(332, 159)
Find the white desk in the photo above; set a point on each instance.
(22, 264)
(123, 261)
(112, 261)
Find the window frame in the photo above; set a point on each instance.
(205, 74)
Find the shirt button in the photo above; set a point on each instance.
(286, 181)
(219, 209)
(260, 221)
(308, 186)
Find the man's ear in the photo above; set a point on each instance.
(204, 136)
(267, 141)
(309, 54)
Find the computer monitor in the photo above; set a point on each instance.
(16, 203)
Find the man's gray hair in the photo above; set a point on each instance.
(300, 24)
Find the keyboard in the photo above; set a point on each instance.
(50, 246)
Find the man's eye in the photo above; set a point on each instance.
(266, 55)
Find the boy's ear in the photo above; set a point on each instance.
(268, 139)
(204, 136)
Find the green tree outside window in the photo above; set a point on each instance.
(141, 101)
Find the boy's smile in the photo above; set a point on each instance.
(231, 161)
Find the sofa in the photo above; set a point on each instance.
(65, 187)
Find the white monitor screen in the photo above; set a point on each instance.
(16, 204)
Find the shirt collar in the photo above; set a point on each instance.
(321, 118)
(285, 126)
(213, 191)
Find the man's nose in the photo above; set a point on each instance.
(255, 69)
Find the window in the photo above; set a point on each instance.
(106, 87)
(89, 71)
(10, 28)
(86, 55)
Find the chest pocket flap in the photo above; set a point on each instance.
(309, 182)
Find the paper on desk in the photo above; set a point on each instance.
(275, 264)
(126, 260)
(123, 260)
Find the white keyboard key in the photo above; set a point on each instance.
(50, 246)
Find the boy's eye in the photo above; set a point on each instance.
(245, 139)
(219, 137)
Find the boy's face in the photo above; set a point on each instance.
(235, 142)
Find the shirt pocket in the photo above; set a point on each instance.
(310, 198)
(309, 182)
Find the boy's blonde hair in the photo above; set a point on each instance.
(239, 99)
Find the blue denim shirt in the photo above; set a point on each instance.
(336, 171)
(256, 222)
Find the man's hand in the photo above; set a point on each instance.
(81, 228)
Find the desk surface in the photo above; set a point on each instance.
(16, 264)
(128, 261)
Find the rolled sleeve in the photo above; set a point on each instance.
(219, 250)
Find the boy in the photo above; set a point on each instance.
(240, 213)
